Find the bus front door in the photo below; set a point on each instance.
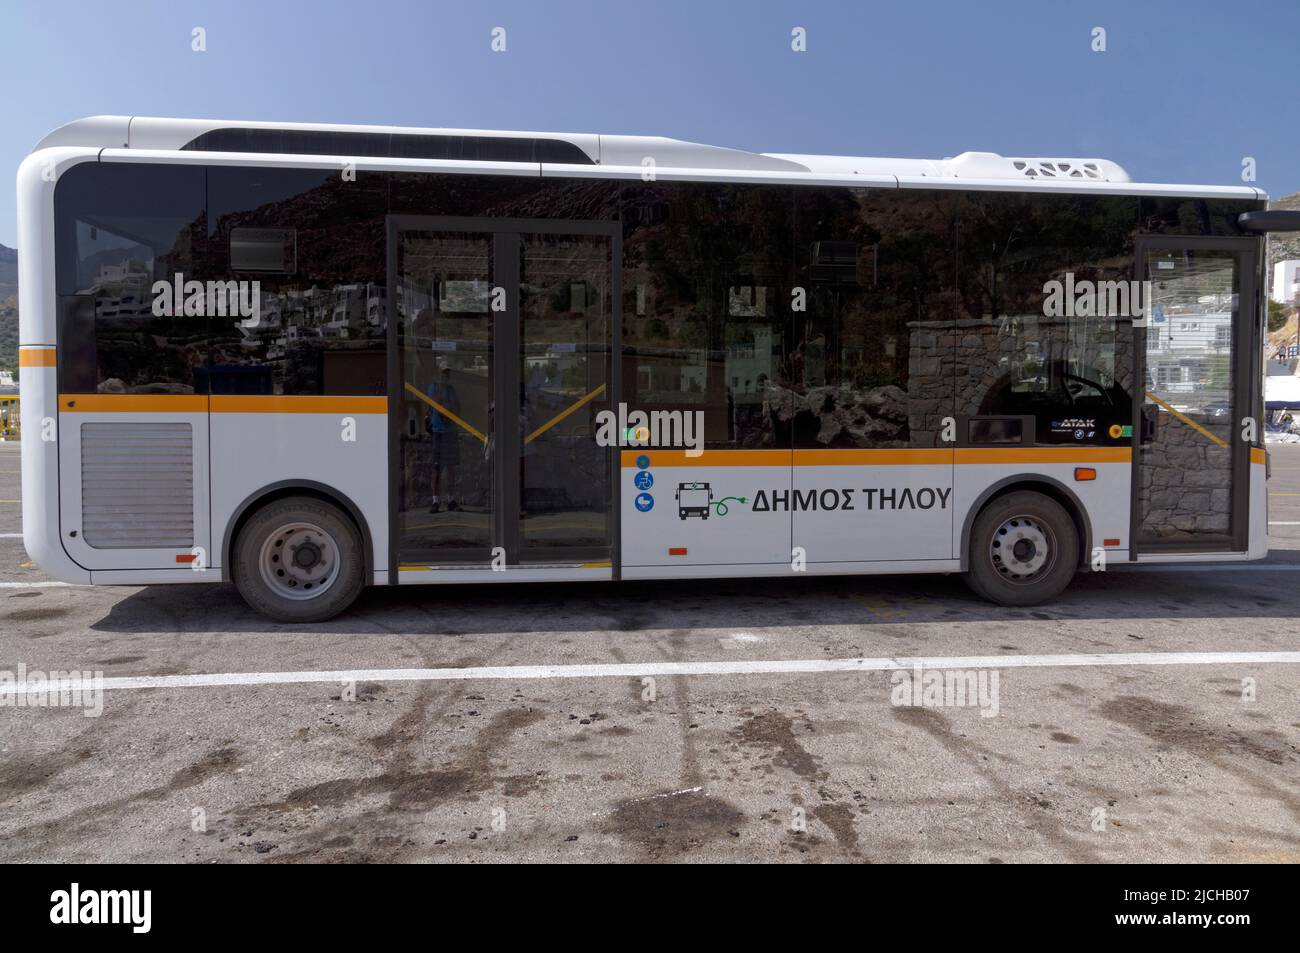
(1193, 369)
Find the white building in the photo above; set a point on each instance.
(1286, 281)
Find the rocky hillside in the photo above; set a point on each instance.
(8, 273)
(9, 310)
(1284, 246)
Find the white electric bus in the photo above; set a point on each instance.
(310, 358)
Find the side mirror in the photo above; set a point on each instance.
(1273, 220)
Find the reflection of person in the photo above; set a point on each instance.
(446, 442)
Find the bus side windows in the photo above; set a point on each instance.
(312, 277)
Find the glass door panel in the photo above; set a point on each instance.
(565, 481)
(445, 347)
(1190, 452)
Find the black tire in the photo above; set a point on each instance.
(311, 587)
(1024, 550)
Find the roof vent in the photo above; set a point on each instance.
(1057, 168)
(990, 165)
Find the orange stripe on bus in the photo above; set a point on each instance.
(133, 403)
(868, 458)
(1044, 454)
(709, 458)
(36, 357)
(274, 404)
(887, 457)
(220, 404)
(1258, 456)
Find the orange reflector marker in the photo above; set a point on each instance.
(677, 551)
(186, 558)
(1085, 473)
(1110, 542)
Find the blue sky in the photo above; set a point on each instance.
(1183, 92)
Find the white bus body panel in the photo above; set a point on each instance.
(38, 385)
(261, 450)
(1104, 501)
(895, 512)
(1257, 541)
(664, 525)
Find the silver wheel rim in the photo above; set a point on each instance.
(1023, 549)
(299, 561)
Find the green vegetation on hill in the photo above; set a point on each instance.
(9, 310)
(9, 337)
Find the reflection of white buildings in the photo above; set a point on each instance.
(296, 316)
(299, 334)
(1286, 282)
(668, 376)
(1186, 347)
(671, 376)
(358, 305)
(124, 290)
(749, 366)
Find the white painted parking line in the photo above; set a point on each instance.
(644, 669)
(38, 585)
(1284, 522)
(11, 535)
(1205, 567)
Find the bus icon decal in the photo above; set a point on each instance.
(694, 499)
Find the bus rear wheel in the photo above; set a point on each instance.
(299, 559)
(1024, 549)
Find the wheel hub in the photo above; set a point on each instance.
(299, 561)
(1022, 549)
(307, 555)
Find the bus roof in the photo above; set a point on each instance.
(969, 169)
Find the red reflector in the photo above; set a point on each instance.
(1085, 473)
(1110, 542)
(188, 558)
(677, 551)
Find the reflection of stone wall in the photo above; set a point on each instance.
(838, 417)
(1184, 480)
(953, 368)
(985, 357)
(971, 356)
(931, 369)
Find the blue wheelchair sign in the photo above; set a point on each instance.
(644, 480)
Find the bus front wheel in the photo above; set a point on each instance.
(1024, 549)
(299, 559)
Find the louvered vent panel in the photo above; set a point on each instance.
(137, 485)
